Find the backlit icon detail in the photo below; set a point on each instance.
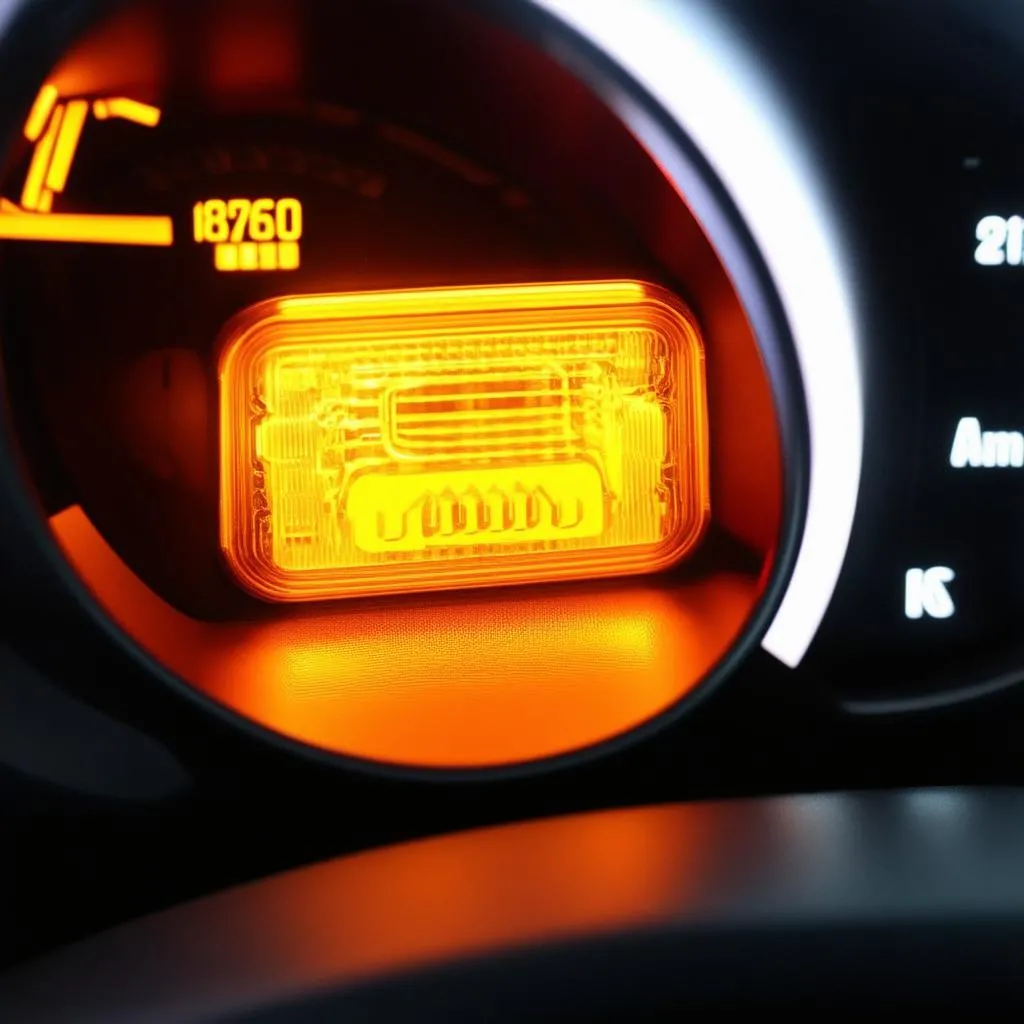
(385, 442)
(927, 593)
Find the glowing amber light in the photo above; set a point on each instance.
(39, 115)
(67, 142)
(40, 165)
(128, 110)
(401, 441)
(96, 228)
(250, 234)
(499, 679)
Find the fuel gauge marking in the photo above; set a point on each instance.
(56, 128)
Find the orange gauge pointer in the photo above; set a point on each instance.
(103, 229)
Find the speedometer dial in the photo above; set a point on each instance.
(427, 432)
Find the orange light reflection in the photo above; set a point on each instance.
(479, 891)
(250, 46)
(466, 683)
(125, 53)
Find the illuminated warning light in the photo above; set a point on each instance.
(392, 442)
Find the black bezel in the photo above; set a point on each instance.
(39, 31)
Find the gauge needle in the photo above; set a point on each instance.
(100, 229)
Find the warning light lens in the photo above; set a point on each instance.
(388, 442)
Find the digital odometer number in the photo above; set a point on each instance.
(250, 234)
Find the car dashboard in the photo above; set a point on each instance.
(588, 427)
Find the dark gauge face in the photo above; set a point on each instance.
(315, 372)
(338, 202)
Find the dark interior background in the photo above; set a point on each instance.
(913, 117)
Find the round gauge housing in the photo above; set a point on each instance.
(381, 387)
